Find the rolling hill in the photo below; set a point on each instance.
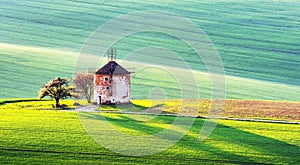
(25, 68)
(258, 43)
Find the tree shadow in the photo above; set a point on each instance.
(126, 122)
(225, 145)
(131, 107)
(242, 146)
(135, 107)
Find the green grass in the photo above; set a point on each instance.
(258, 42)
(34, 104)
(51, 137)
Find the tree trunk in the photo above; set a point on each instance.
(88, 98)
(89, 94)
(57, 102)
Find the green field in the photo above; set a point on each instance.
(258, 43)
(22, 75)
(30, 134)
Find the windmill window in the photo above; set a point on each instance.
(107, 87)
(106, 79)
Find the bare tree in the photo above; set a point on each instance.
(84, 84)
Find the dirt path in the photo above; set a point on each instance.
(86, 109)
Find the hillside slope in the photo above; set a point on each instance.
(25, 69)
(256, 40)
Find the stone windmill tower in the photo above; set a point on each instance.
(112, 82)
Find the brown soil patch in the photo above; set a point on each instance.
(262, 109)
(243, 108)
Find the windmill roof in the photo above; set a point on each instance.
(112, 68)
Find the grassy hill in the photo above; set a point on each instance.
(258, 43)
(25, 69)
